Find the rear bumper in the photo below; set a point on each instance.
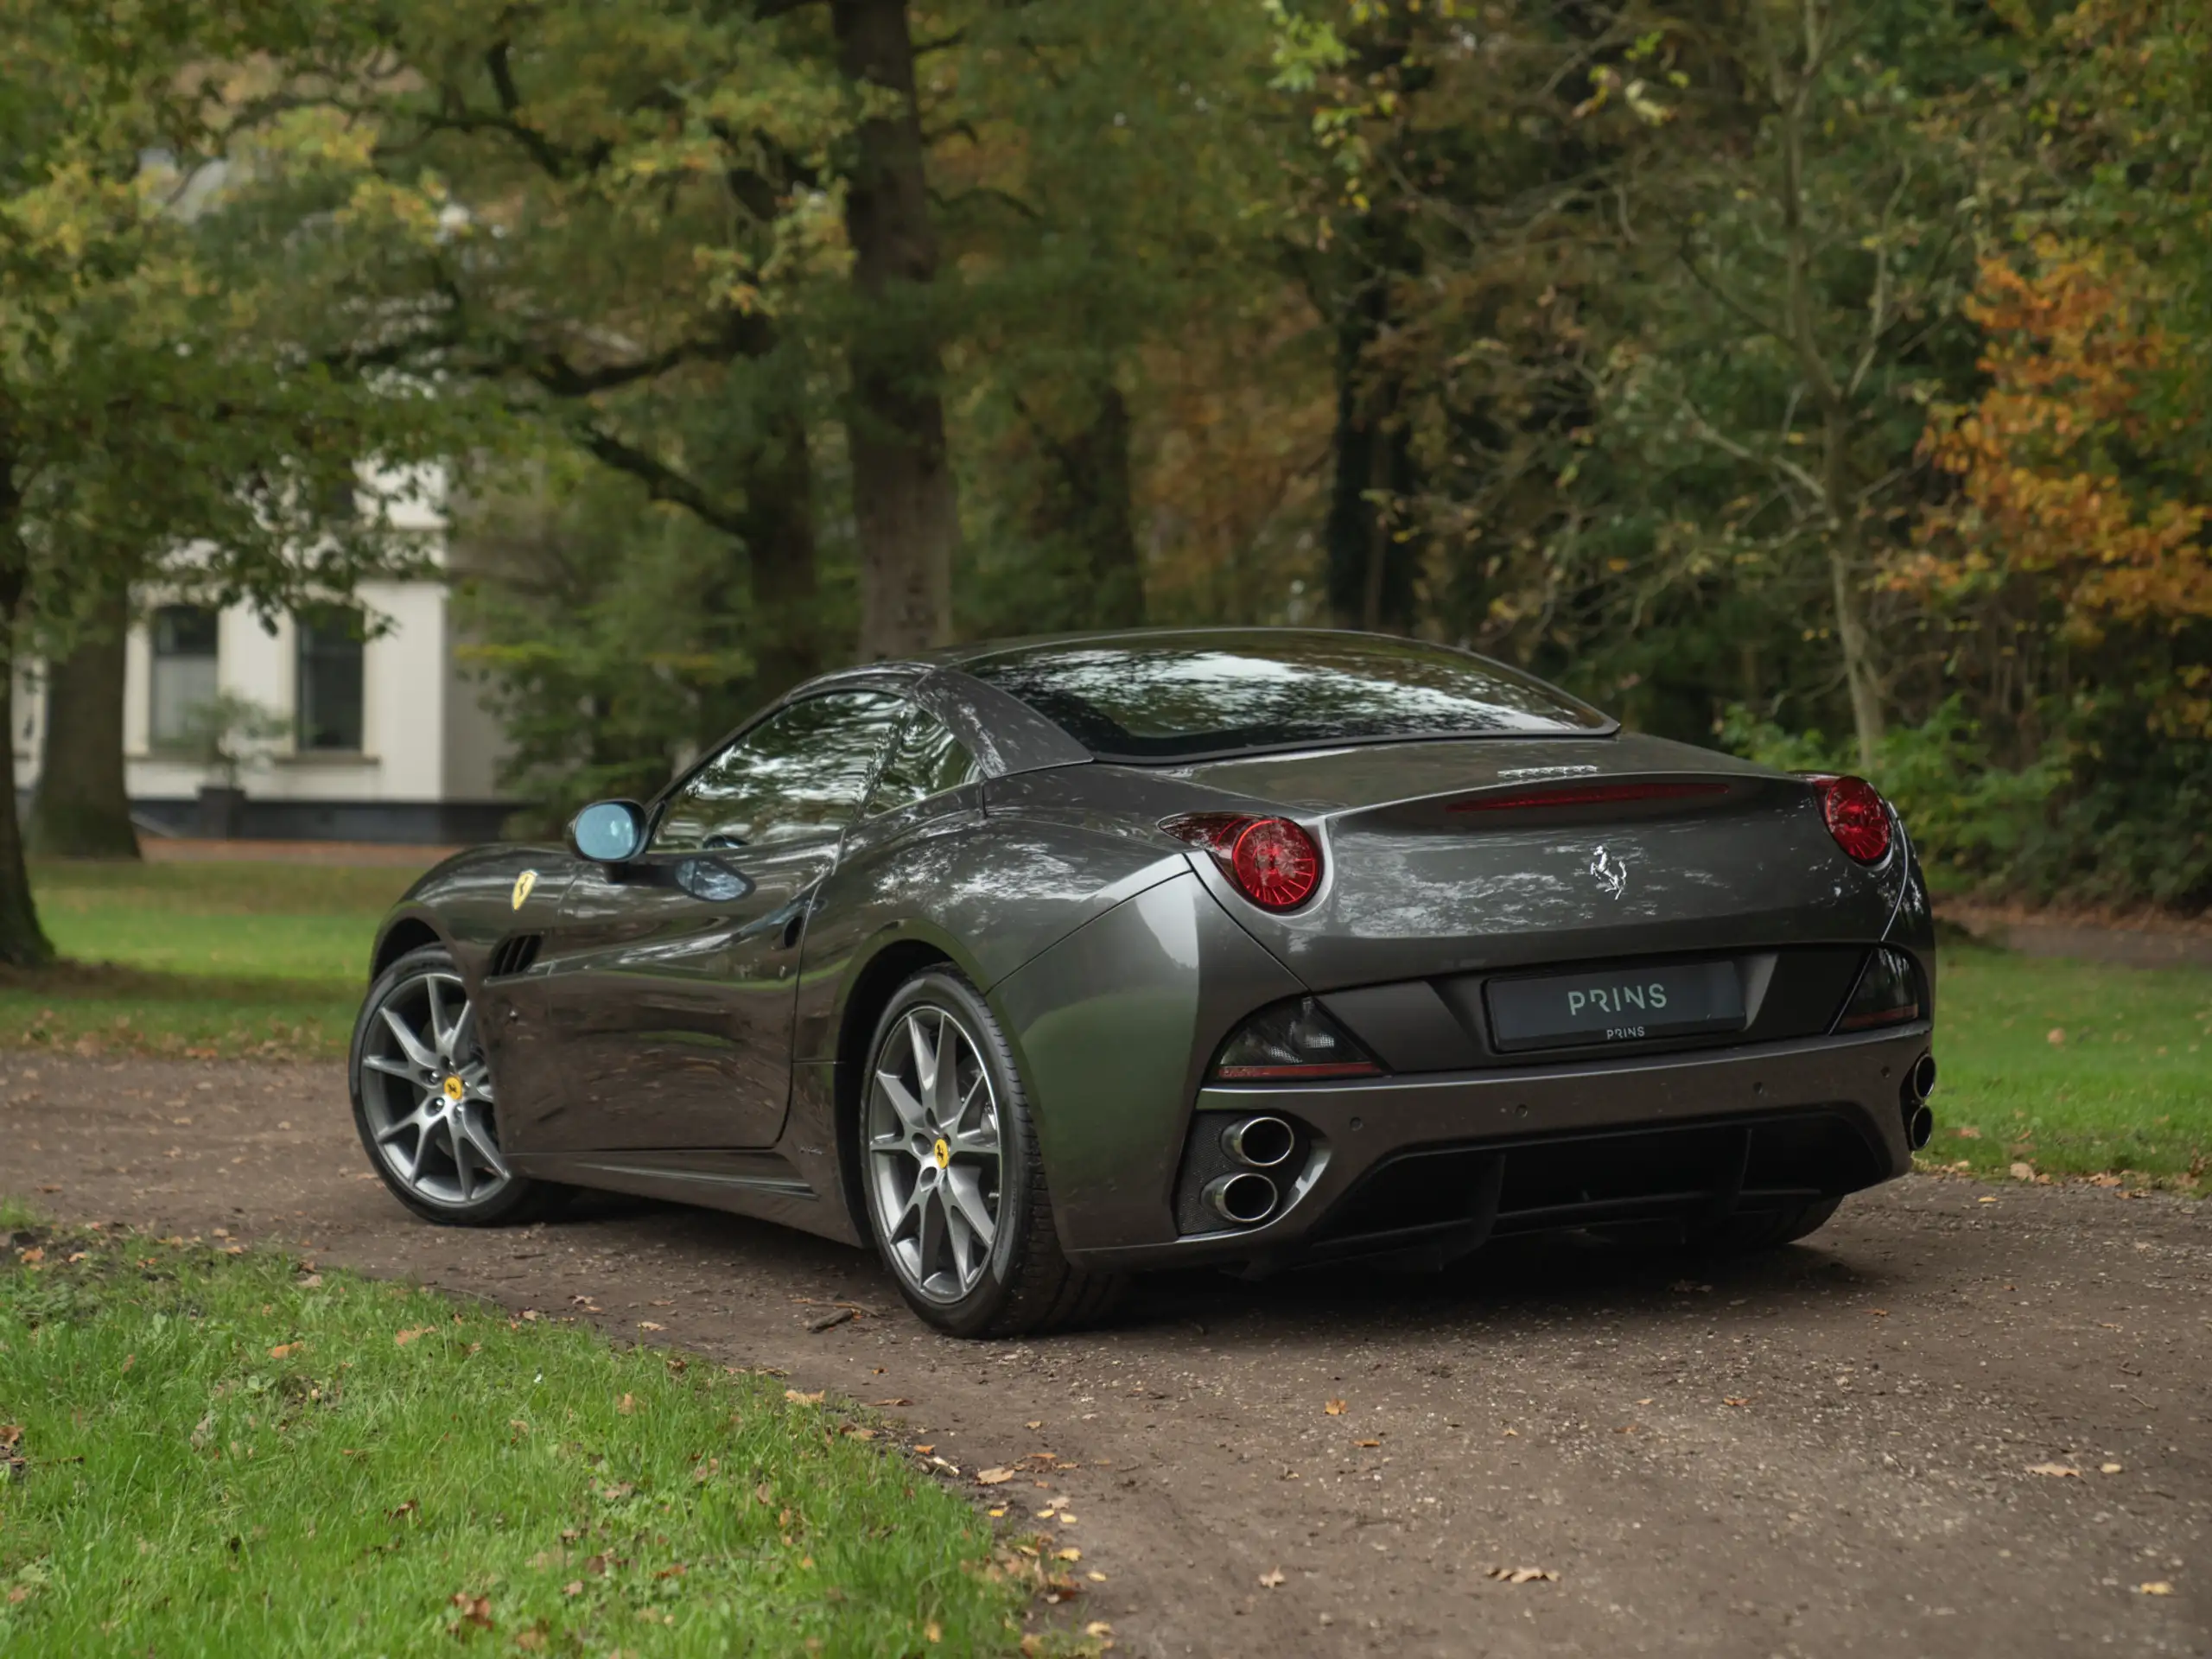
(1439, 1163)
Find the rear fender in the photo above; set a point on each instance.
(1113, 1027)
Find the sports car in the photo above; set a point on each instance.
(1036, 965)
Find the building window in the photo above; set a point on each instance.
(184, 677)
(330, 678)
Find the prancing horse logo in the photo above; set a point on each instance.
(1611, 873)
(524, 883)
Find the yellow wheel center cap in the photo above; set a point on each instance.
(943, 1152)
(456, 1088)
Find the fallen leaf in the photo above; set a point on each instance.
(626, 1405)
(531, 1639)
(1735, 1400)
(1040, 1423)
(34, 1254)
(993, 1477)
(799, 1399)
(573, 1588)
(2109, 1469)
(903, 1401)
(1968, 1132)
(1334, 1407)
(1524, 1574)
(410, 1507)
(1272, 1578)
(2055, 1469)
(2057, 1036)
(406, 1336)
(1096, 1577)
(2021, 1171)
(1097, 1628)
(10, 1434)
(1068, 1554)
(1985, 1200)
(933, 1632)
(1367, 1443)
(285, 1349)
(647, 1325)
(2155, 1587)
(474, 1611)
(313, 1281)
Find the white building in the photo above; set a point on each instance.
(383, 736)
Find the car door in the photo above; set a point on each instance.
(676, 973)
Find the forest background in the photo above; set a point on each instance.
(1830, 380)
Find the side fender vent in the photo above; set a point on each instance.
(514, 953)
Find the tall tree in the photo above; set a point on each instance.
(905, 497)
(150, 404)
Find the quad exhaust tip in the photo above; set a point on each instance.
(1923, 1077)
(1259, 1142)
(1243, 1198)
(1919, 1126)
(1919, 1083)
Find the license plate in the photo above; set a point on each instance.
(1616, 1005)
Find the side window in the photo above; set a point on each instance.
(925, 759)
(801, 772)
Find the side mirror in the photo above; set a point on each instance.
(609, 832)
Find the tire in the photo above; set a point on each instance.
(943, 1153)
(1768, 1230)
(423, 1100)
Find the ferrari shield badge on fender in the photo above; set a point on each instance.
(1611, 873)
(524, 883)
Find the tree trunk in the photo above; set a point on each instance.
(23, 942)
(1369, 570)
(904, 495)
(1843, 574)
(779, 532)
(82, 809)
(1858, 653)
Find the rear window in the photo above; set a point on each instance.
(1198, 696)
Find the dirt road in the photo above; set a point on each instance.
(1830, 1451)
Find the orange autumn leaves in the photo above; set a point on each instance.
(2066, 478)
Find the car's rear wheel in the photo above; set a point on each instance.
(424, 1102)
(1769, 1229)
(955, 1191)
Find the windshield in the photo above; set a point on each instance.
(1189, 696)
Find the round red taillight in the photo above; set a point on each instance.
(1856, 817)
(1275, 863)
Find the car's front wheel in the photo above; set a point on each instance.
(956, 1190)
(423, 1099)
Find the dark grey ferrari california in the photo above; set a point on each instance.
(1036, 964)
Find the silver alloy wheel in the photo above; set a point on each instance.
(935, 1155)
(427, 1090)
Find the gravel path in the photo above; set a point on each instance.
(1830, 1451)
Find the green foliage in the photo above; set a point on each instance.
(605, 634)
(218, 1454)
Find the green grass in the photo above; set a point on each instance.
(208, 959)
(226, 1455)
(2126, 1091)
